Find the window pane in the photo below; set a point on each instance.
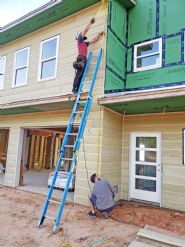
(148, 142)
(144, 184)
(148, 61)
(2, 65)
(148, 49)
(21, 58)
(1, 81)
(48, 69)
(146, 156)
(49, 49)
(144, 170)
(20, 76)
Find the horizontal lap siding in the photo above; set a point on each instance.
(112, 148)
(170, 126)
(66, 29)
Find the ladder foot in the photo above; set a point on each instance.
(55, 229)
(41, 222)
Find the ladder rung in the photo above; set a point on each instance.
(82, 101)
(49, 217)
(87, 81)
(57, 202)
(72, 134)
(76, 123)
(79, 112)
(69, 146)
(67, 158)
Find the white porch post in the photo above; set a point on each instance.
(14, 157)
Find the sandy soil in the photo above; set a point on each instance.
(142, 214)
(20, 210)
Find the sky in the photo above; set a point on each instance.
(11, 10)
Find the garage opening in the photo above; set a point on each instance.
(4, 136)
(41, 150)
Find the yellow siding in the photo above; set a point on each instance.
(170, 126)
(13, 157)
(66, 29)
(112, 148)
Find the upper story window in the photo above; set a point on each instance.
(21, 67)
(2, 71)
(148, 55)
(48, 59)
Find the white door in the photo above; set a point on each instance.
(145, 167)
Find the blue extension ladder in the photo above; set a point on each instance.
(79, 135)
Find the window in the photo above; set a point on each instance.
(148, 55)
(2, 71)
(48, 59)
(21, 67)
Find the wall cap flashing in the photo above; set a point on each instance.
(42, 101)
(144, 95)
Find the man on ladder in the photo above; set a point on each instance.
(80, 63)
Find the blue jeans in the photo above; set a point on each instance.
(93, 200)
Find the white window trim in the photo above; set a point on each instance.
(27, 68)
(40, 61)
(2, 85)
(148, 55)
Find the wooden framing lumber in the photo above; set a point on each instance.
(31, 151)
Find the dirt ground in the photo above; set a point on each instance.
(20, 210)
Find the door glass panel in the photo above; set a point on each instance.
(144, 184)
(144, 170)
(146, 142)
(146, 156)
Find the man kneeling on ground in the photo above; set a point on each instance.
(102, 196)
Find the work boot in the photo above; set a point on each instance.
(106, 215)
(92, 214)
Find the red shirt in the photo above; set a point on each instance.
(82, 46)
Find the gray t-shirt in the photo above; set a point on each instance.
(104, 193)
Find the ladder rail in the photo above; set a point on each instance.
(88, 104)
(62, 149)
(77, 145)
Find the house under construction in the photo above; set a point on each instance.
(134, 135)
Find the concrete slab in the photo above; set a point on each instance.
(36, 181)
(161, 237)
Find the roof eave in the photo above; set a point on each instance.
(30, 15)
